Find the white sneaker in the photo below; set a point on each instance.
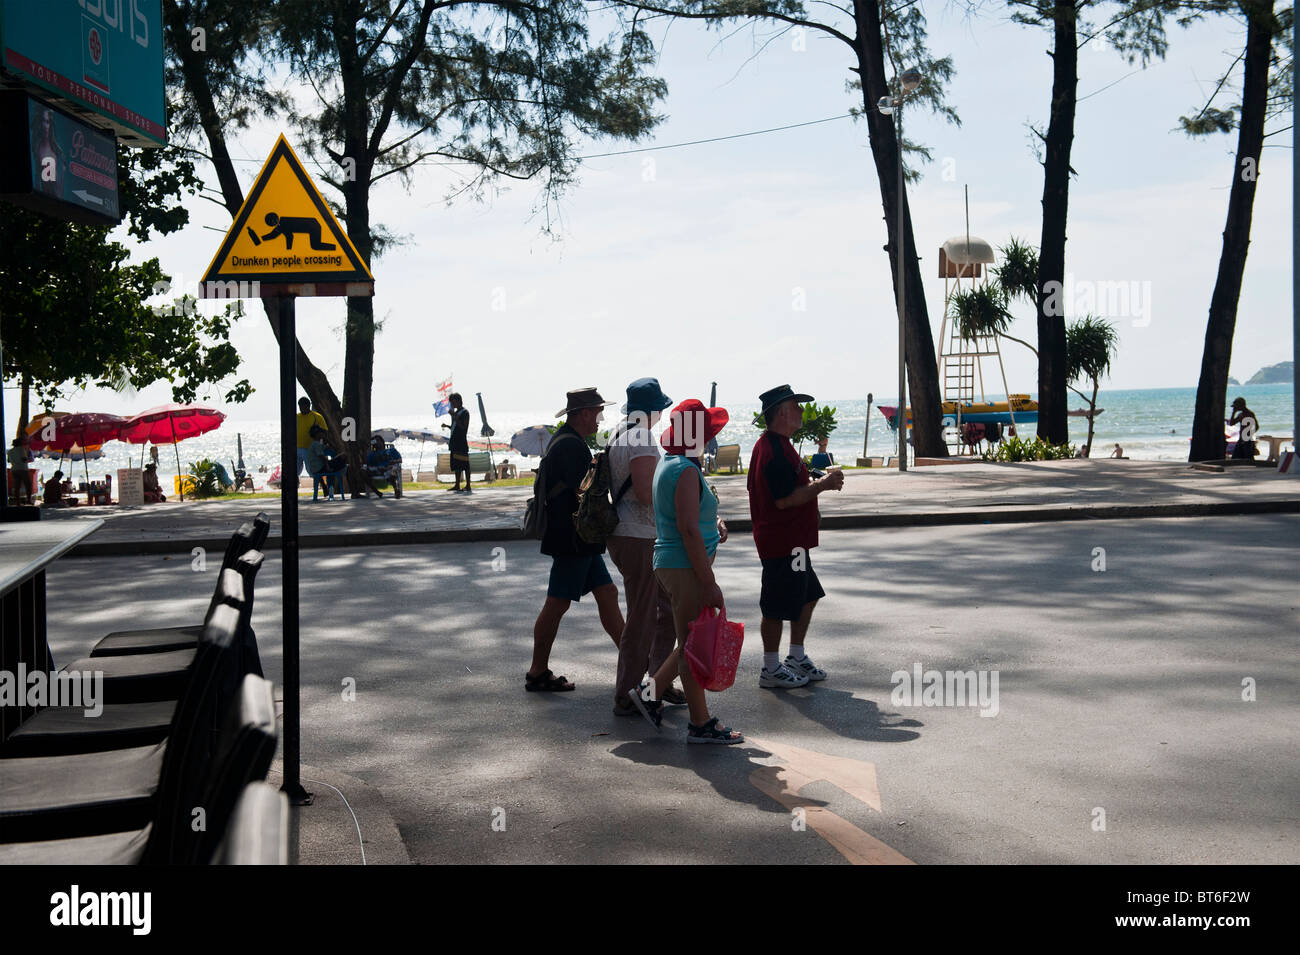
(805, 666)
(783, 678)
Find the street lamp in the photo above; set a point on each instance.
(906, 83)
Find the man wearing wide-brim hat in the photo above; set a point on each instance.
(576, 566)
(783, 508)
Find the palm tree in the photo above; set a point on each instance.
(1089, 346)
(984, 310)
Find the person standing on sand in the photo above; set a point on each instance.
(576, 566)
(783, 507)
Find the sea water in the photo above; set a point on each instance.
(1149, 424)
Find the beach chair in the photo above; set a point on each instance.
(479, 464)
(728, 457)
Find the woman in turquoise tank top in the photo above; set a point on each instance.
(688, 534)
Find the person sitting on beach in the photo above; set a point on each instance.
(1118, 452)
(152, 489)
(323, 463)
(1248, 427)
(823, 458)
(384, 463)
(52, 495)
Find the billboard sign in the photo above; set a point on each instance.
(99, 56)
(57, 164)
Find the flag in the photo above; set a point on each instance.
(443, 405)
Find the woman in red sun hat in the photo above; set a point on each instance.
(687, 536)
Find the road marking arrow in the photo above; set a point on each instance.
(855, 777)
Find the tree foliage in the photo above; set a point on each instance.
(74, 308)
(1210, 119)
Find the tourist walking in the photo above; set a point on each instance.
(687, 536)
(783, 509)
(648, 634)
(577, 567)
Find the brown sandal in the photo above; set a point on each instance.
(547, 682)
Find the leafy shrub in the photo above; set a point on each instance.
(207, 482)
(1018, 449)
(818, 423)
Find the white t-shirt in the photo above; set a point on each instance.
(634, 518)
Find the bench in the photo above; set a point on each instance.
(479, 464)
(1275, 443)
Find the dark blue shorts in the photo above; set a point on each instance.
(787, 590)
(571, 577)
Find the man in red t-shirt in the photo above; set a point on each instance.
(783, 508)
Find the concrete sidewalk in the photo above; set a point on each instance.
(942, 495)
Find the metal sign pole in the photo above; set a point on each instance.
(902, 298)
(289, 551)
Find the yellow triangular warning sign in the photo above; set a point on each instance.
(284, 233)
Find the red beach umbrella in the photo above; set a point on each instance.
(84, 429)
(171, 422)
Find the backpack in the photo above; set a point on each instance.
(534, 520)
(597, 517)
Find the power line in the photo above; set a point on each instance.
(642, 149)
(717, 139)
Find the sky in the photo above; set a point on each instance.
(758, 261)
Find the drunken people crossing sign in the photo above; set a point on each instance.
(285, 241)
(283, 244)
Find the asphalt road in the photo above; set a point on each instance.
(1119, 699)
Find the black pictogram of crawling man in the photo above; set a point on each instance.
(288, 227)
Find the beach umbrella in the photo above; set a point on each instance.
(174, 423)
(424, 436)
(75, 453)
(866, 431)
(239, 451)
(86, 429)
(532, 441)
(485, 431)
(388, 434)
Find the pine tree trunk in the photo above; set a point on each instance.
(922, 366)
(1208, 442)
(24, 405)
(1052, 423)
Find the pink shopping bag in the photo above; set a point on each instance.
(713, 649)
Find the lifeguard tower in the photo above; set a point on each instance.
(963, 265)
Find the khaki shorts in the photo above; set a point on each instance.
(686, 593)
